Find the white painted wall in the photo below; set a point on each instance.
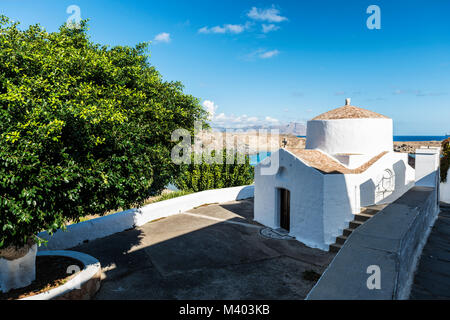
(353, 161)
(427, 163)
(344, 195)
(445, 190)
(359, 136)
(306, 187)
(404, 177)
(323, 205)
(340, 203)
(18, 273)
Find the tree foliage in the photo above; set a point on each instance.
(445, 160)
(85, 128)
(203, 175)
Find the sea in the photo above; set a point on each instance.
(420, 138)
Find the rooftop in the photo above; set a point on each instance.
(349, 112)
(328, 165)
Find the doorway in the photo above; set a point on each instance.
(285, 209)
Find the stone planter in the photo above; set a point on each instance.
(83, 286)
(17, 267)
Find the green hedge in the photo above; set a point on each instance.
(85, 128)
(206, 176)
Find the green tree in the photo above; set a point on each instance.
(85, 128)
(205, 176)
(445, 160)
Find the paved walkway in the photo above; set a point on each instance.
(212, 252)
(432, 280)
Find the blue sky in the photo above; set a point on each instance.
(268, 61)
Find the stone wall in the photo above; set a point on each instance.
(391, 241)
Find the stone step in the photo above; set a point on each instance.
(335, 247)
(355, 224)
(370, 212)
(362, 217)
(348, 231)
(377, 207)
(341, 239)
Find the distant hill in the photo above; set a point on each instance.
(294, 128)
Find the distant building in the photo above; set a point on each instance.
(348, 163)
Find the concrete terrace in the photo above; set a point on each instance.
(211, 252)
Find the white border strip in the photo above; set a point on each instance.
(118, 222)
(91, 267)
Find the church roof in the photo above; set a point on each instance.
(349, 112)
(328, 165)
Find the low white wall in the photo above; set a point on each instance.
(445, 190)
(81, 281)
(118, 222)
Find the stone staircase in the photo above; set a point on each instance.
(365, 214)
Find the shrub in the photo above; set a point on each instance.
(205, 176)
(85, 128)
(172, 195)
(445, 160)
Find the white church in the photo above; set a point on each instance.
(348, 163)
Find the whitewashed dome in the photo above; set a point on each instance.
(350, 130)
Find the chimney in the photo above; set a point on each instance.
(347, 101)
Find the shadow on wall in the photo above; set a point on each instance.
(367, 193)
(381, 191)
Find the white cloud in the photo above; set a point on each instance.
(211, 108)
(163, 37)
(220, 117)
(261, 54)
(227, 28)
(266, 28)
(270, 15)
(272, 120)
(233, 121)
(418, 93)
(269, 54)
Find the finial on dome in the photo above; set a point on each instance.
(347, 101)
